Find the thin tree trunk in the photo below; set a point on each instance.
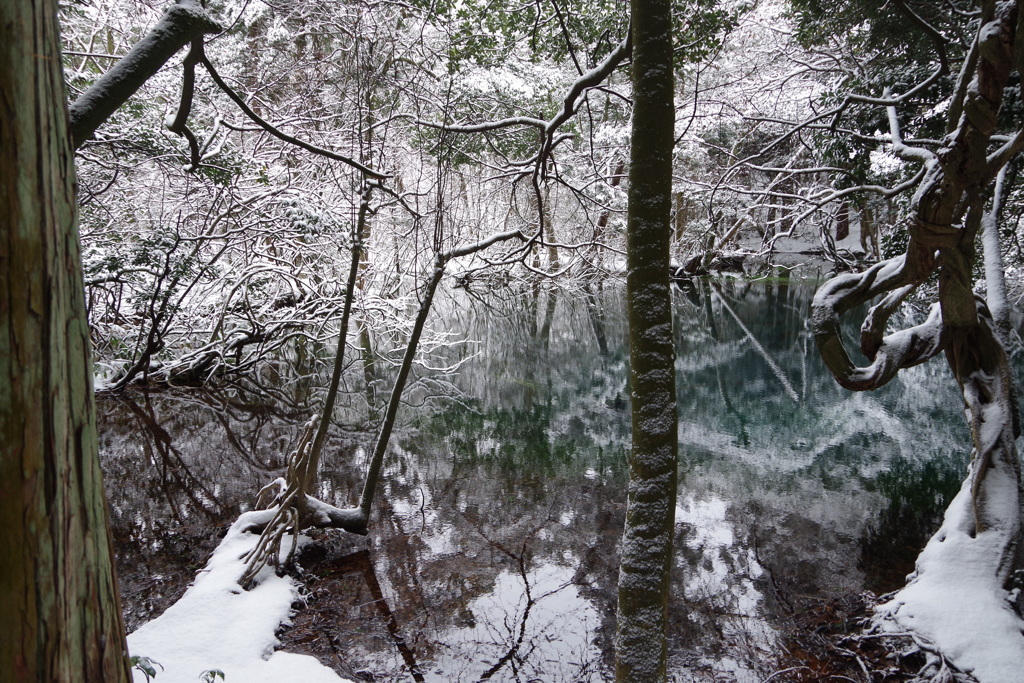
(645, 571)
(388, 424)
(681, 217)
(602, 221)
(549, 233)
(308, 477)
(59, 602)
(314, 513)
(369, 368)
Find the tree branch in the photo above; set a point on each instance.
(183, 22)
(938, 39)
(279, 134)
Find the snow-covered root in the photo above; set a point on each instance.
(289, 510)
(956, 604)
(217, 626)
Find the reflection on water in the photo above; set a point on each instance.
(721, 577)
(493, 549)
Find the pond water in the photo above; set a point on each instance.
(493, 546)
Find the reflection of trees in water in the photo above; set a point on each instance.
(174, 475)
(518, 481)
(917, 494)
(482, 582)
(720, 584)
(497, 523)
(179, 466)
(345, 574)
(512, 633)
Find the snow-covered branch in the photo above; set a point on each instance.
(247, 110)
(183, 22)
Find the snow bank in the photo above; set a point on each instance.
(954, 602)
(218, 626)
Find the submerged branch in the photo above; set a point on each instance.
(779, 374)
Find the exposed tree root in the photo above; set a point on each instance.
(293, 510)
(840, 640)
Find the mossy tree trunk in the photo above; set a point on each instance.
(59, 603)
(644, 575)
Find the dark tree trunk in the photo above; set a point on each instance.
(644, 575)
(59, 602)
(843, 222)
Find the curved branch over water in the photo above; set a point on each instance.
(967, 565)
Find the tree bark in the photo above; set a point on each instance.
(59, 603)
(645, 570)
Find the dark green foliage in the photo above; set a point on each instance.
(902, 55)
(894, 243)
(582, 31)
(879, 25)
(512, 144)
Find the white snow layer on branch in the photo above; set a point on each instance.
(217, 625)
(995, 269)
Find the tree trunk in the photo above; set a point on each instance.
(645, 570)
(843, 222)
(983, 522)
(59, 604)
(388, 423)
(549, 232)
(681, 217)
(308, 477)
(602, 222)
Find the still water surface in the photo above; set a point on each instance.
(493, 548)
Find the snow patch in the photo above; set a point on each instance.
(218, 626)
(955, 602)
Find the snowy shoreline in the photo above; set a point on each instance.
(218, 628)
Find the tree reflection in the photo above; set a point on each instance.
(495, 544)
(917, 494)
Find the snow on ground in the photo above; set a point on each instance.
(218, 626)
(955, 602)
